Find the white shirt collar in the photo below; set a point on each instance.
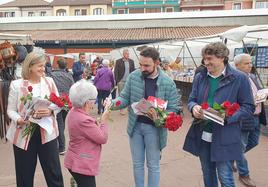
(222, 73)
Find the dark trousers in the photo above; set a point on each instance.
(61, 116)
(114, 94)
(83, 180)
(25, 162)
(102, 95)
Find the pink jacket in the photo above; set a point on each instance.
(83, 154)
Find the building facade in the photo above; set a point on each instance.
(81, 7)
(144, 6)
(29, 8)
(201, 5)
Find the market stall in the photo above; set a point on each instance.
(13, 50)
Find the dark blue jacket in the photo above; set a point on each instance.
(226, 140)
(78, 70)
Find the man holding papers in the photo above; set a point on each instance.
(250, 136)
(217, 145)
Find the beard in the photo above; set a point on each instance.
(146, 74)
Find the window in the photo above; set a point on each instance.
(84, 12)
(77, 12)
(169, 9)
(30, 14)
(61, 12)
(136, 10)
(261, 4)
(120, 11)
(43, 13)
(237, 6)
(8, 14)
(152, 10)
(98, 11)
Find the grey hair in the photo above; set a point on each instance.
(238, 58)
(105, 62)
(31, 59)
(81, 92)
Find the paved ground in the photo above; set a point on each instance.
(178, 168)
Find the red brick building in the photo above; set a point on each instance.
(201, 5)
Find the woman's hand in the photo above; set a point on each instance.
(38, 114)
(105, 116)
(198, 112)
(21, 122)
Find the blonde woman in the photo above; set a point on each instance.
(40, 144)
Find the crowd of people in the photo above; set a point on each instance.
(221, 148)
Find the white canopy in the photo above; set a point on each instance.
(23, 39)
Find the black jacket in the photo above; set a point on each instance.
(119, 69)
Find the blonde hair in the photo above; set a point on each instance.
(31, 59)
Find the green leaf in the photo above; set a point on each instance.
(216, 106)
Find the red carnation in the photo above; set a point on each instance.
(118, 103)
(204, 106)
(30, 88)
(226, 104)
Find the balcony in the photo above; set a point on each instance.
(126, 3)
(204, 3)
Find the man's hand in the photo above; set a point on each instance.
(198, 112)
(152, 114)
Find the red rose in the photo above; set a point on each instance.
(70, 105)
(204, 106)
(235, 106)
(118, 103)
(53, 97)
(226, 104)
(30, 88)
(173, 122)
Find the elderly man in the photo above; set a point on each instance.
(123, 67)
(250, 136)
(217, 145)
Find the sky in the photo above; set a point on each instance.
(5, 1)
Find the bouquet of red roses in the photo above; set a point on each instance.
(161, 117)
(62, 101)
(218, 112)
(34, 103)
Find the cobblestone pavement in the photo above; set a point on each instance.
(178, 168)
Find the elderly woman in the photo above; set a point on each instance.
(86, 135)
(104, 81)
(40, 144)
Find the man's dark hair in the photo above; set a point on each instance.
(218, 49)
(150, 52)
(82, 53)
(61, 64)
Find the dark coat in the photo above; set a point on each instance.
(78, 70)
(119, 69)
(226, 140)
(262, 115)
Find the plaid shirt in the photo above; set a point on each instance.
(63, 80)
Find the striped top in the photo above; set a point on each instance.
(15, 111)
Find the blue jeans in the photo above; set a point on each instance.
(210, 169)
(249, 139)
(145, 141)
